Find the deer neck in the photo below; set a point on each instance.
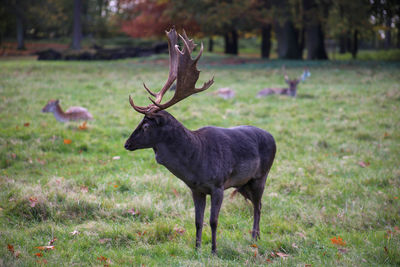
(60, 115)
(178, 151)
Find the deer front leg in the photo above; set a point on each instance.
(199, 205)
(216, 201)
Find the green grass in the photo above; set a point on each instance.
(345, 114)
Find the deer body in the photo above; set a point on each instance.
(292, 83)
(210, 159)
(71, 114)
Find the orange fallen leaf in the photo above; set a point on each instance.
(102, 258)
(115, 186)
(38, 254)
(338, 241)
(26, 124)
(45, 247)
(179, 230)
(254, 246)
(307, 265)
(67, 141)
(83, 126)
(10, 248)
(269, 261)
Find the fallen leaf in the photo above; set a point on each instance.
(26, 124)
(83, 126)
(175, 192)
(102, 258)
(386, 134)
(116, 157)
(67, 141)
(386, 249)
(363, 164)
(141, 233)
(115, 186)
(38, 254)
(10, 248)
(179, 230)
(307, 265)
(133, 211)
(282, 255)
(75, 232)
(45, 248)
(338, 241)
(254, 246)
(269, 261)
(33, 201)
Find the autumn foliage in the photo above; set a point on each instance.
(149, 18)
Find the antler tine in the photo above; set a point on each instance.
(142, 110)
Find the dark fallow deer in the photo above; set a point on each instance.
(291, 91)
(208, 160)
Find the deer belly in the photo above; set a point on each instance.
(242, 173)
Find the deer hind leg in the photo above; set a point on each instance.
(253, 191)
(216, 201)
(199, 205)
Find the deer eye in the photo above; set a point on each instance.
(145, 126)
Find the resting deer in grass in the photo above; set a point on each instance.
(291, 91)
(208, 160)
(72, 113)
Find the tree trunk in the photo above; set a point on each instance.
(398, 34)
(288, 43)
(20, 32)
(342, 43)
(315, 42)
(210, 44)
(266, 41)
(77, 31)
(388, 33)
(354, 47)
(231, 42)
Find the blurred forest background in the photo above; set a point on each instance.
(287, 29)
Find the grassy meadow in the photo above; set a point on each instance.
(332, 197)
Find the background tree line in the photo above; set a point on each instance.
(295, 25)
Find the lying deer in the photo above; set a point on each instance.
(291, 91)
(208, 160)
(72, 114)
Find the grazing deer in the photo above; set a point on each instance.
(291, 91)
(72, 114)
(208, 160)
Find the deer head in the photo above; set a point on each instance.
(183, 70)
(51, 106)
(293, 83)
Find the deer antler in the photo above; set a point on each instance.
(183, 69)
